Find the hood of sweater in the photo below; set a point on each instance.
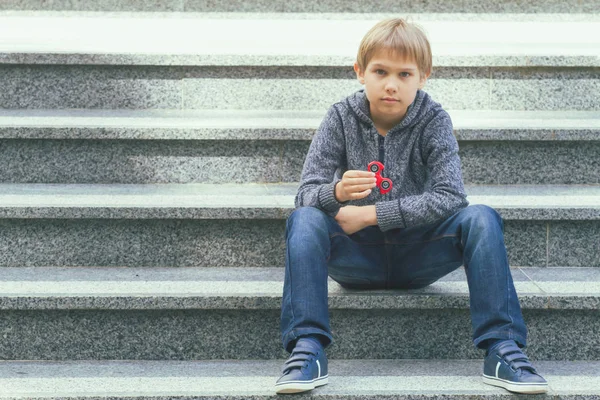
(420, 107)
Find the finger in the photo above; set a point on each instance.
(360, 188)
(355, 173)
(349, 181)
(360, 195)
(359, 181)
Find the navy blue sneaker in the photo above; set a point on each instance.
(305, 369)
(506, 366)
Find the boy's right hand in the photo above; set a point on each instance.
(355, 185)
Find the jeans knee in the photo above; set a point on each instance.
(481, 218)
(305, 217)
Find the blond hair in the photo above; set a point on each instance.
(398, 36)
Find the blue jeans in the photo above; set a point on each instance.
(398, 259)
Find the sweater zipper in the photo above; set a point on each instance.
(381, 142)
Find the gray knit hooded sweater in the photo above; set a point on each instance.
(421, 159)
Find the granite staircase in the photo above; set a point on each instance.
(149, 156)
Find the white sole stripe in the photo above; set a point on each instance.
(516, 383)
(312, 381)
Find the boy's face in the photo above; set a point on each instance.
(391, 84)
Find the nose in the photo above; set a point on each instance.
(391, 86)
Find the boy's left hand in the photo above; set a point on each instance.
(353, 218)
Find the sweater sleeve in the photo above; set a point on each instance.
(325, 156)
(445, 194)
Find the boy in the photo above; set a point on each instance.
(412, 236)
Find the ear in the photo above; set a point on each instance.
(423, 80)
(360, 75)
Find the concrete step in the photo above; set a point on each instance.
(201, 201)
(487, 40)
(218, 146)
(223, 313)
(359, 379)
(469, 125)
(480, 66)
(310, 6)
(213, 87)
(233, 225)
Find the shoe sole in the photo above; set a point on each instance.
(300, 386)
(517, 387)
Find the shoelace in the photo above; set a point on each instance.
(514, 357)
(298, 359)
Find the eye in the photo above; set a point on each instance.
(380, 72)
(405, 74)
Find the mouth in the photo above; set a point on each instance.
(389, 100)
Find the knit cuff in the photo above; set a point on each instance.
(389, 215)
(327, 198)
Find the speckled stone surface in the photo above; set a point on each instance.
(277, 72)
(232, 313)
(459, 6)
(323, 42)
(545, 90)
(186, 159)
(503, 162)
(312, 6)
(189, 334)
(273, 301)
(246, 288)
(574, 325)
(555, 279)
(38, 87)
(110, 161)
(581, 283)
(163, 124)
(235, 288)
(450, 331)
(86, 242)
(526, 243)
(574, 244)
(216, 243)
(165, 243)
(374, 16)
(463, 135)
(530, 163)
(221, 225)
(203, 275)
(403, 6)
(158, 335)
(538, 202)
(299, 94)
(296, 60)
(148, 201)
(96, 5)
(534, 125)
(254, 379)
(295, 153)
(229, 225)
(45, 86)
(232, 161)
(260, 201)
(469, 125)
(277, 94)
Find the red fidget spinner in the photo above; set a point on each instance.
(384, 184)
